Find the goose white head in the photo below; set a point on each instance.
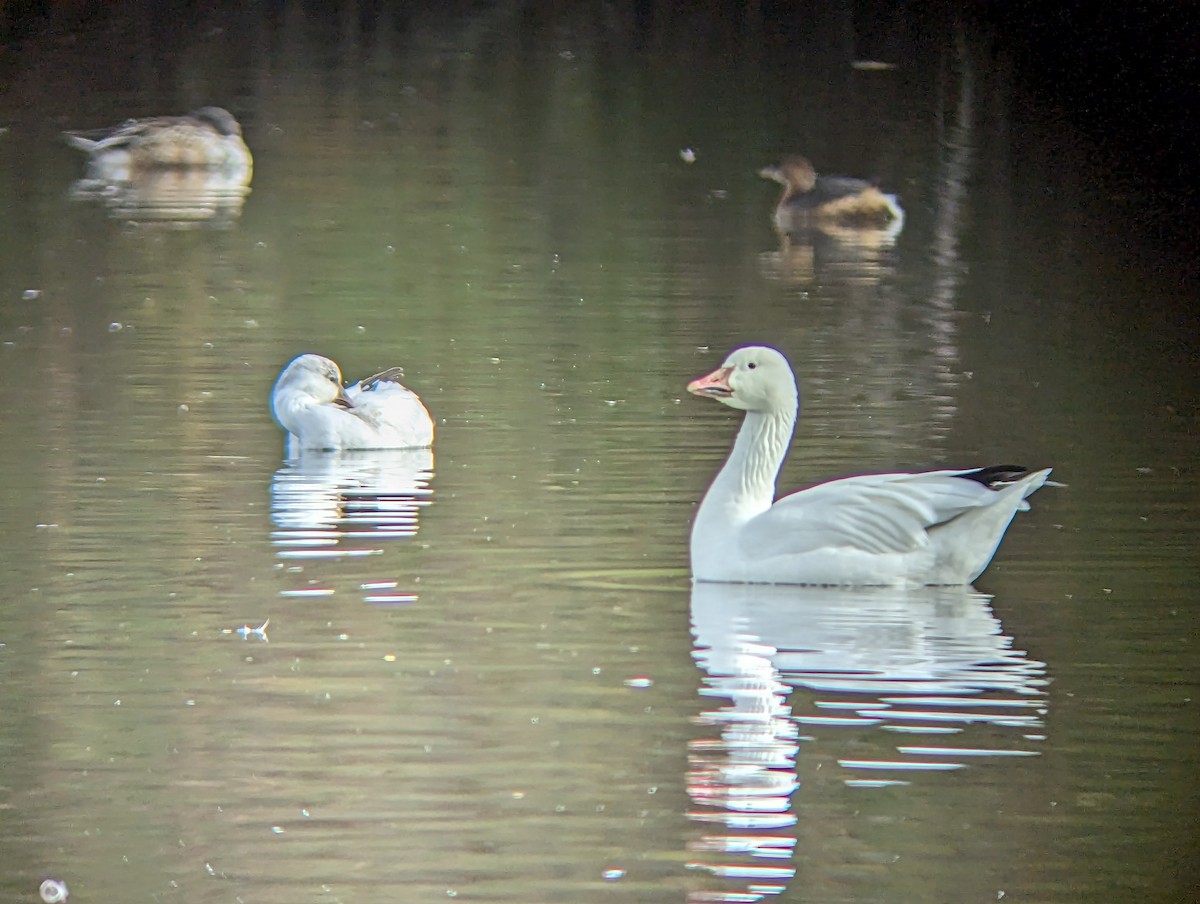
(308, 380)
(754, 378)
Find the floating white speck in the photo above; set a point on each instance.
(247, 630)
(53, 891)
(613, 874)
(687, 155)
(639, 682)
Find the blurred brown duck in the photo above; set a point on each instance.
(809, 200)
(207, 138)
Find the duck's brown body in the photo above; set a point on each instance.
(809, 200)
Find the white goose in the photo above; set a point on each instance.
(931, 527)
(309, 403)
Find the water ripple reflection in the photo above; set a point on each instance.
(182, 198)
(344, 506)
(927, 661)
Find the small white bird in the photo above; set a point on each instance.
(379, 412)
(931, 527)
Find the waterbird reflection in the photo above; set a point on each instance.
(344, 505)
(182, 170)
(178, 198)
(920, 663)
(830, 227)
(832, 253)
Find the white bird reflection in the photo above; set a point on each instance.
(919, 663)
(341, 505)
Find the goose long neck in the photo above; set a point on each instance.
(747, 482)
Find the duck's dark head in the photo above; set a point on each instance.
(794, 173)
(220, 119)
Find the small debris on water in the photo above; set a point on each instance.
(53, 891)
(248, 631)
(639, 682)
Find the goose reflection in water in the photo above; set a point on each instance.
(923, 664)
(344, 505)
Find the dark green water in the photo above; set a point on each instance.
(453, 706)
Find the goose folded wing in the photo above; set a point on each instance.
(876, 513)
(382, 403)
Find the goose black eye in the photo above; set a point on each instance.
(751, 365)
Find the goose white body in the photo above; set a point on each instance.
(379, 412)
(931, 527)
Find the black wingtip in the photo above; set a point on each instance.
(989, 477)
(391, 375)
